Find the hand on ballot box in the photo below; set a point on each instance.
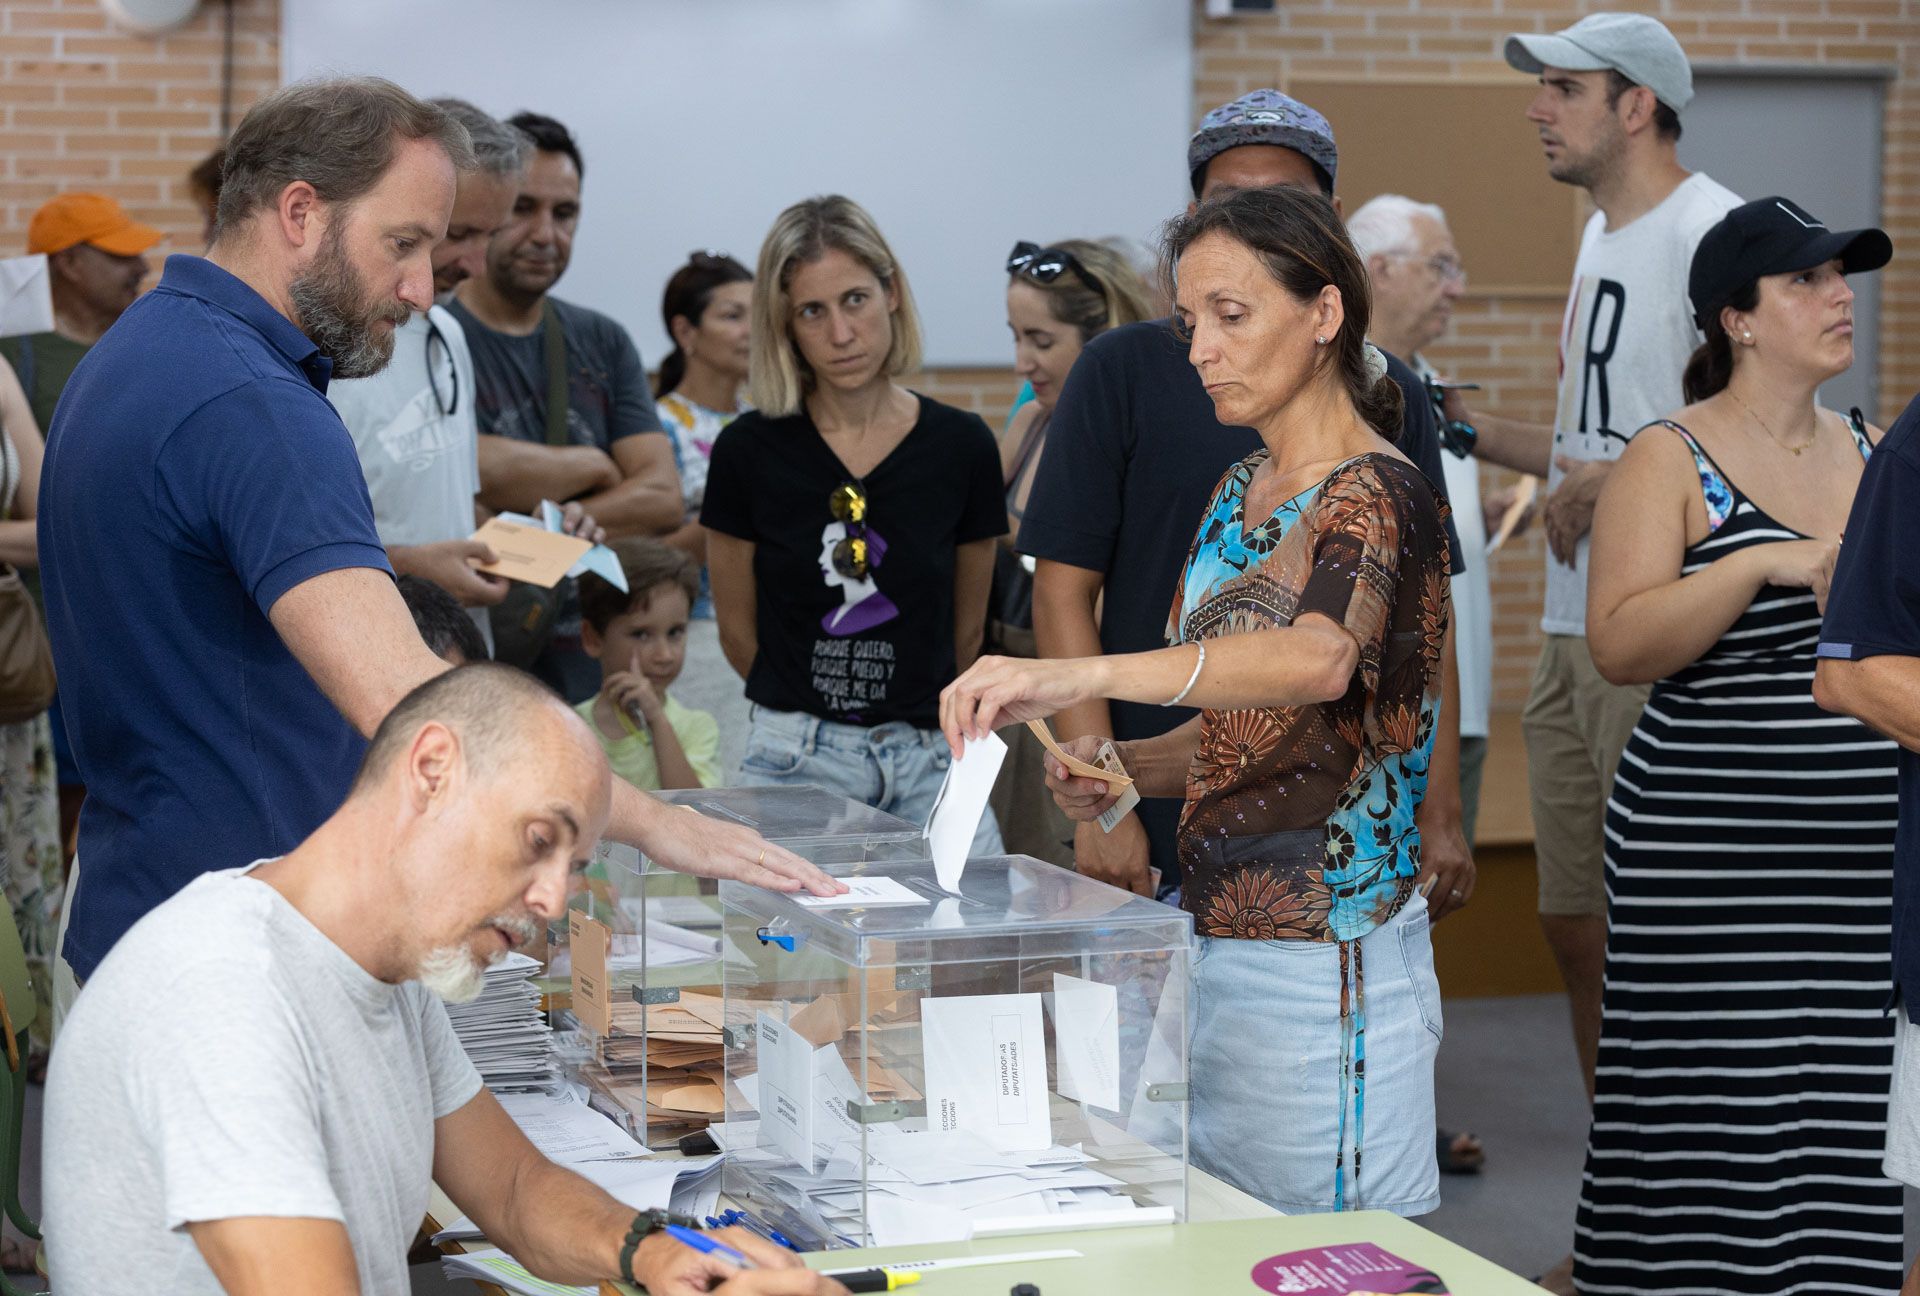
(692, 843)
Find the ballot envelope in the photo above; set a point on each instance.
(907, 1064)
(642, 952)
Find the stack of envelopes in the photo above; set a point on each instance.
(505, 1032)
(678, 1048)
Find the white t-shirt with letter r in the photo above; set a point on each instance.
(1624, 343)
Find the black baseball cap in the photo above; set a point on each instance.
(1770, 236)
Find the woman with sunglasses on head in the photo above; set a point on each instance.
(1308, 625)
(1740, 1103)
(1058, 297)
(850, 525)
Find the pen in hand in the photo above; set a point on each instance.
(706, 1245)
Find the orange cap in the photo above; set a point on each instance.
(89, 218)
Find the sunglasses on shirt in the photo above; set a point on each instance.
(848, 503)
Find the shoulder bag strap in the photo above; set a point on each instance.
(556, 374)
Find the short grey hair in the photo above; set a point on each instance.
(339, 134)
(498, 149)
(1384, 225)
(486, 705)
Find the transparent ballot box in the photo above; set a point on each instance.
(908, 1065)
(648, 991)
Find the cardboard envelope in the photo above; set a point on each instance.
(529, 554)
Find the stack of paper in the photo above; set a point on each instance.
(505, 1031)
(678, 1048)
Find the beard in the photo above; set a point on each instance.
(340, 316)
(1593, 166)
(456, 974)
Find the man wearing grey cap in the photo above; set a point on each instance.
(1612, 87)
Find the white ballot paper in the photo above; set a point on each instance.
(865, 893)
(986, 1059)
(1086, 1038)
(957, 810)
(786, 1089)
(26, 296)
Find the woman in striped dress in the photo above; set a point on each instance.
(1740, 1097)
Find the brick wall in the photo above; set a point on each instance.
(83, 103)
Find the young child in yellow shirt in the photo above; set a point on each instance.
(640, 641)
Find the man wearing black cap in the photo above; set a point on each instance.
(1132, 455)
(1611, 90)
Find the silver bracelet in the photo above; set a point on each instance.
(1192, 679)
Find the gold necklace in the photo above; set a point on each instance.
(1792, 449)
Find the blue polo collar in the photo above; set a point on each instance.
(195, 276)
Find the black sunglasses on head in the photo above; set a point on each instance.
(1046, 264)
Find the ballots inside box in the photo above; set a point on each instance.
(1009, 1059)
(531, 554)
(652, 1059)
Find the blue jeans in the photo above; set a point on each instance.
(892, 767)
(1267, 1090)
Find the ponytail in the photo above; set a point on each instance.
(672, 370)
(1711, 367)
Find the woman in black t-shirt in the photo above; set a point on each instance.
(851, 525)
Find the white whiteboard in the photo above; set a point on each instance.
(962, 125)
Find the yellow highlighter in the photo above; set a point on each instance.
(878, 1280)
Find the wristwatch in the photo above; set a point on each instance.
(644, 1224)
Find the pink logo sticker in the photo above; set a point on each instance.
(1352, 1269)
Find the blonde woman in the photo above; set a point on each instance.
(851, 524)
(1059, 297)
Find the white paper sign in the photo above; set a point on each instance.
(986, 1059)
(865, 893)
(26, 296)
(962, 800)
(1086, 1036)
(786, 1089)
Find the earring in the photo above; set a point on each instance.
(1747, 338)
(1319, 341)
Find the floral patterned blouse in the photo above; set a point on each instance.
(1299, 820)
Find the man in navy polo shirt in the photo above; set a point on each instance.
(224, 620)
(1870, 669)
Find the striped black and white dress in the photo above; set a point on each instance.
(1745, 1051)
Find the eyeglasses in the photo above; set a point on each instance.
(848, 503)
(1458, 438)
(1044, 265)
(452, 403)
(1445, 268)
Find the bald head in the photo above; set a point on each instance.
(493, 711)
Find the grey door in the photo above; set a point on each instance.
(1816, 140)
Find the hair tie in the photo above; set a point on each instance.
(1376, 364)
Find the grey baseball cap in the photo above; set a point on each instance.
(1639, 48)
(1264, 117)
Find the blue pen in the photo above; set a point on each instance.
(707, 1246)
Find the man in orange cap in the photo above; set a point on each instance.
(96, 257)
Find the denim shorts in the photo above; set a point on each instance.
(1267, 1089)
(893, 767)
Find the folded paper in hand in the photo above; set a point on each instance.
(529, 553)
(1075, 766)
